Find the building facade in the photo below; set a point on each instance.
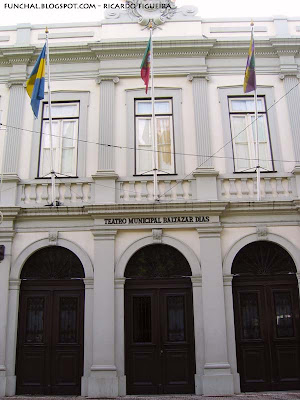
(110, 292)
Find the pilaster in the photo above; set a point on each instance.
(6, 239)
(14, 120)
(217, 379)
(120, 339)
(88, 333)
(200, 98)
(103, 380)
(11, 336)
(105, 177)
(230, 331)
(293, 103)
(298, 277)
(106, 123)
(199, 334)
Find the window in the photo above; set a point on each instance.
(242, 117)
(164, 136)
(65, 120)
(168, 110)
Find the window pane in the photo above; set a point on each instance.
(62, 110)
(250, 316)
(164, 144)
(239, 133)
(144, 136)
(176, 325)
(142, 319)
(68, 132)
(261, 126)
(144, 107)
(160, 107)
(242, 159)
(247, 105)
(67, 161)
(144, 145)
(284, 314)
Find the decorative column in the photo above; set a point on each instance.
(11, 337)
(105, 176)
(199, 333)
(6, 240)
(230, 331)
(293, 103)
(120, 329)
(217, 379)
(205, 175)
(103, 381)
(88, 333)
(13, 137)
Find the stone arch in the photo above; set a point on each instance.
(281, 241)
(187, 252)
(39, 244)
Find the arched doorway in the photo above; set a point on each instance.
(159, 326)
(266, 314)
(50, 327)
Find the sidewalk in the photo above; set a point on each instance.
(244, 396)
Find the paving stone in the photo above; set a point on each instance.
(244, 396)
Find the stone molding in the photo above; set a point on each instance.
(209, 231)
(227, 280)
(120, 283)
(103, 368)
(157, 235)
(102, 78)
(196, 281)
(14, 284)
(88, 283)
(262, 232)
(53, 237)
(104, 234)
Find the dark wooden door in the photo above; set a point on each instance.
(267, 328)
(160, 355)
(50, 338)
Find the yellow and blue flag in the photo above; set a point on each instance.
(36, 82)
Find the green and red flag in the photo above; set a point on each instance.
(145, 66)
(250, 77)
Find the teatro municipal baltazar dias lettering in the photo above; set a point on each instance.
(157, 220)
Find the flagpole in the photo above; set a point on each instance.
(50, 125)
(256, 131)
(154, 139)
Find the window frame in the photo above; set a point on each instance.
(83, 97)
(175, 94)
(138, 116)
(237, 91)
(60, 139)
(250, 142)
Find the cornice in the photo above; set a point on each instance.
(262, 208)
(211, 208)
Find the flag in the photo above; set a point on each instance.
(250, 78)
(145, 66)
(36, 83)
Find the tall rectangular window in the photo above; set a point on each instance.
(242, 120)
(144, 139)
(65, 119)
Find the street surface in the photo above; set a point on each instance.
(244, 396)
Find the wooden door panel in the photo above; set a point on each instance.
(32, 364)
(287, 358)
(254, 365)
(159, 339)
(50, 339)
(176, 367)
(268, 353)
